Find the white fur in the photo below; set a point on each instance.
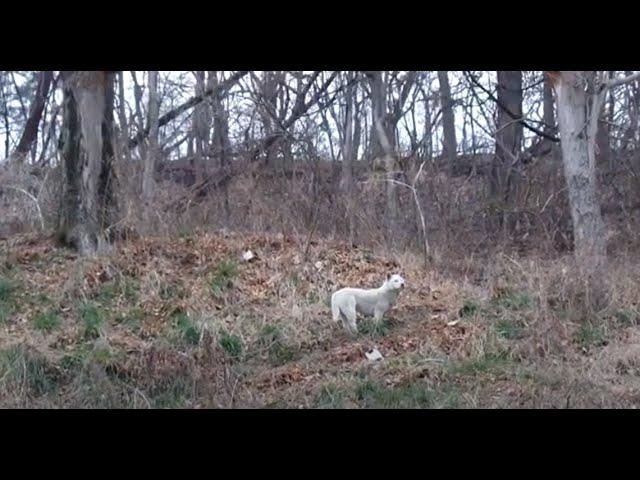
(373, 302)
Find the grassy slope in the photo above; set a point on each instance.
(184, 322)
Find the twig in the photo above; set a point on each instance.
(412, 187)
(35, 200)
(509, 112)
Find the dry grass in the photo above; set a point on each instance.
(184, 322)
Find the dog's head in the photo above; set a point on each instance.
(395, 281)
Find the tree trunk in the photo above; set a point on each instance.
(5, 116)
(122, 118)
(428, 128)
(509, 135)
(629, 138)
(137, 94)
(30, 132)
(603, 145)
(449, 147)
(577, 143)
(221, 142)
(269, 100)
(148, 177)
(632, 105)
(348, 154)
(548, 113)
(200, 128)
(87, 158)
(357, 125)
(379, 115)
(383, 148)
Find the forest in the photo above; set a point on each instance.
(172, 239)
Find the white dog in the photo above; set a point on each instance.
(373, 302)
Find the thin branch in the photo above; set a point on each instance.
(35, 200)
(508, 112)
(614, 82)
(166, 118)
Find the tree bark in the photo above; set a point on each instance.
(449, 146)
(200, 129)
(602, 140)
(148, 176)
(383, 148)
(577, 143)
(509, 135)
(122, 118)
(548, 113)
(87, 158)
(5, 116)
(137, 94)
(221, 142)
(30, 132)
(348, 154)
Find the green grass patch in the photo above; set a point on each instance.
(469, 309)
(484, 364)
(278, 350)
(329, 396)
(188, 331)
(6, 289)
(374, 329)
(232, 344)
(6, 310)
(131, 318)
(508, 329)
(46, 320)
(92, 317)
(7, 303)
(25, 372)
(516, 300)
(626, 318)
(412, 395)
(222, 278)
(589, 334)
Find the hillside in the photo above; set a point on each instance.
(187, 323)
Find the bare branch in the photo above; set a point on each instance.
(166, 118)
(508, 112)
(614, 82)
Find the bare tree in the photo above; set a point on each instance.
(122, 117)
(148, 180)
(30, 132)
(348, 149)
(509, 134)
(221, 142)
(579, 109)
(449, 146)
(548, 115)
(383, 137)
(192, 102)
(201, 127)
